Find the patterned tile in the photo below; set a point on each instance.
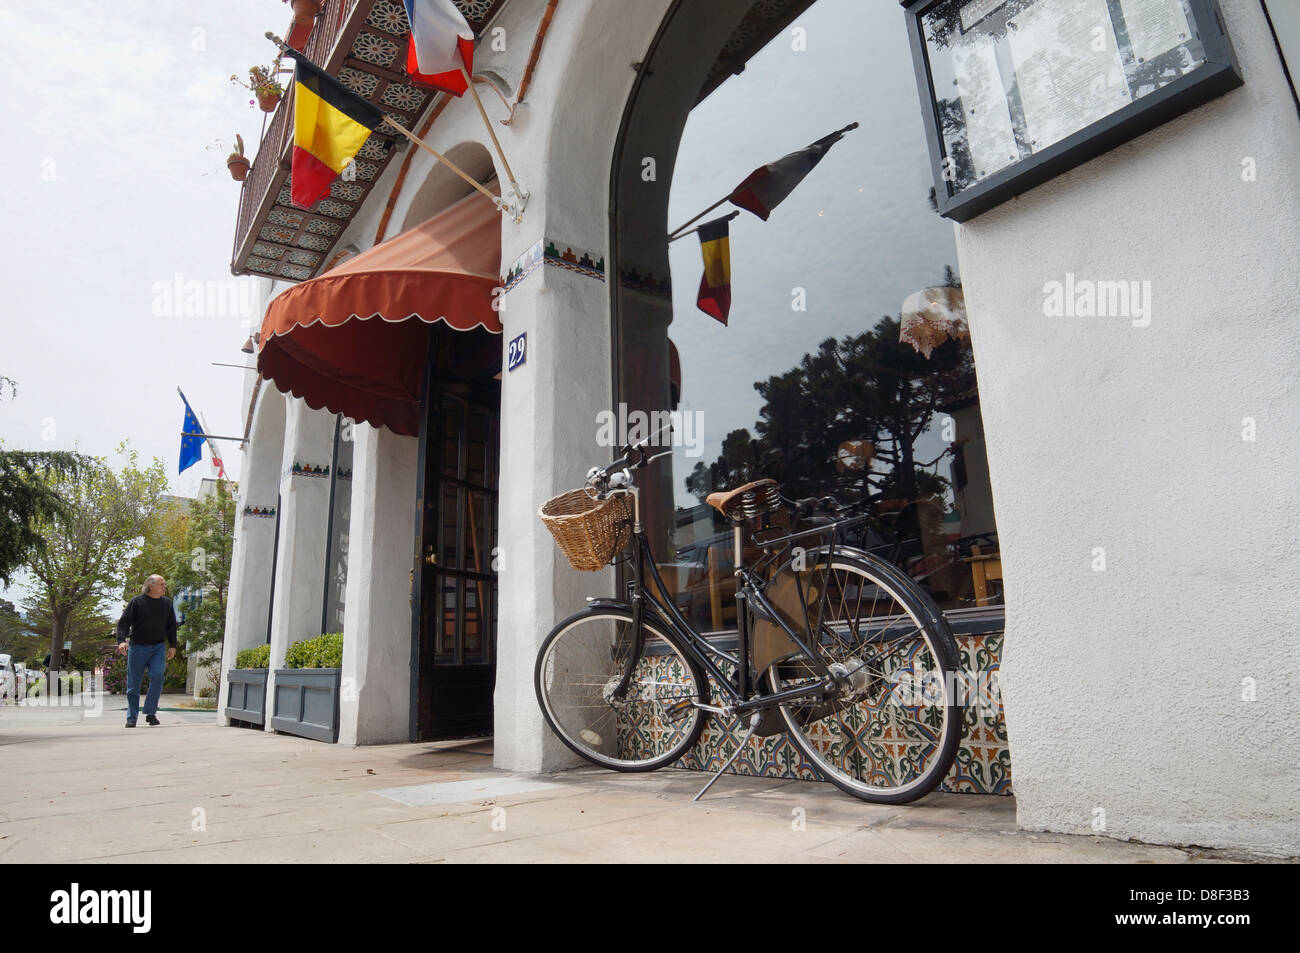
(548, 251)
(372, 48)
(982, 764)
(304, 258)
(333, 209)
(346, 190)
(281, 217)
(314, 242)
(319, 226)
(389, 16)
(294, 271)
(363, 84)
(407, 98)
(268, 251)
(273, 233)
(374, 148)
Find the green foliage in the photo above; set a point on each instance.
(88, 544)
(324, 651)
(257, 657)
(175, 672)
(28, 497)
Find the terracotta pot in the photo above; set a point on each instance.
(238, 166)
(303, 9)
(268, 101)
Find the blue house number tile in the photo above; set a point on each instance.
(518, 352)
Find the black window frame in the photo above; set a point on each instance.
(1218, 75)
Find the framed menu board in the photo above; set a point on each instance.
(1015, 92)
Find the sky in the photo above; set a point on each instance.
(118, 118)
(858, 234)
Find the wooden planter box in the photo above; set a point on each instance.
(246, 695)
(307, 702)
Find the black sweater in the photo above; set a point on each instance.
(147, 621)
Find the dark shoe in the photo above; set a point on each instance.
(152, 719)
(130, 724)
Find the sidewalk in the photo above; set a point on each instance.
(85, 789)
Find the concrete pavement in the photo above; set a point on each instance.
(85, 789)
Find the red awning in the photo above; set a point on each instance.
(345, 341)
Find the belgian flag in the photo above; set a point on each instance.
(715, 287)
(330, 124)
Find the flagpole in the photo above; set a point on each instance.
(726, 218)
(469, 82)
(285, 48)
(672, 236)
(445, 161)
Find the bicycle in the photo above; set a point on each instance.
(869, 697)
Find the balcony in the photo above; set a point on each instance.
(362, 43)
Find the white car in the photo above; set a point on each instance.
(22, 678)
(8, 681)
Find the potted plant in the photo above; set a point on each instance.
(237, 162)
(305, 9)
(307, 689)
(304, 18)
(246, 685)
(265, 87)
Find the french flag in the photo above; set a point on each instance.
(441, 43)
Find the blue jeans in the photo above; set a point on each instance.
(138, 658)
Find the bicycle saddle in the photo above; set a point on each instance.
(748, 501)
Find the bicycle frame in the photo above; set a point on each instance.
(742, 697)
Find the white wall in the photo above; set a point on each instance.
(375, 704)
(299, 590)
(253, 554)
(1124, 687)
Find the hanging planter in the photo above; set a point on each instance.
(264, 86)
(304, 19)
(237, 162)
(268, 99)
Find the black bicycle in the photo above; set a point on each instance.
(832, 645)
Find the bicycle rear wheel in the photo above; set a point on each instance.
(579, 666)
(890, 731)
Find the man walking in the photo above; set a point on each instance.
(148, 620)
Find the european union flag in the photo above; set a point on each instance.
(191, 446)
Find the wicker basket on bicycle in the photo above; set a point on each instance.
(590, 532)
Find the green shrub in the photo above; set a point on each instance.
(256, 657)
(324, 651)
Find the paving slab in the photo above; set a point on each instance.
(78, 787)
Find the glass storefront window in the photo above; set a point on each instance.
(810, 381)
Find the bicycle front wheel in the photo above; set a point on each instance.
(889, 731)
(579, 667)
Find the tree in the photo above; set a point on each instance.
(27, 496)
(870, 386)
(89, 628)
(211, 546)
(87, 547)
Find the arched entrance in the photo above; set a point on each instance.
(454, 589)
(805, 370)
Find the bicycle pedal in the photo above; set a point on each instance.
(679, 711)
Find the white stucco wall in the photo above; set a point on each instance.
(299, 590)
(253, 553)
(1124, 687)
(375, 702)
